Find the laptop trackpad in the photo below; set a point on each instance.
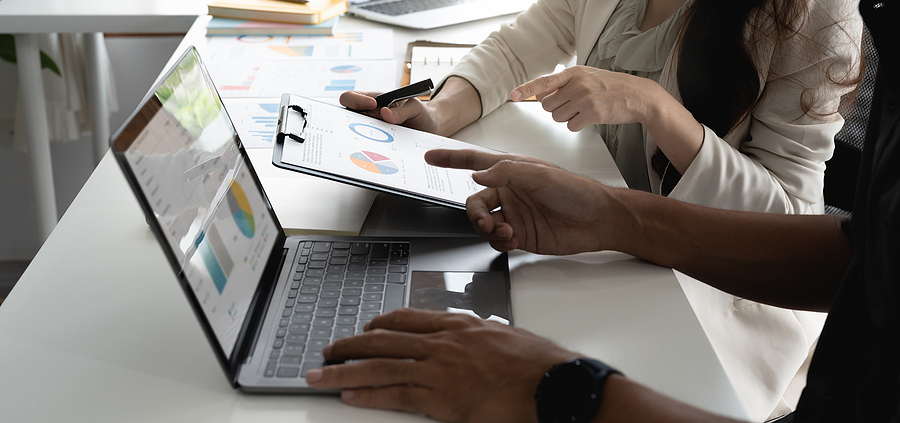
(481, 294)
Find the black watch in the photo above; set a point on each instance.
(571, 391)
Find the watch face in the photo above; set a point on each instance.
(570, 392)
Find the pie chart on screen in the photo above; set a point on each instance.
(374, 162)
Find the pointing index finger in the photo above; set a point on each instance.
(539, 86)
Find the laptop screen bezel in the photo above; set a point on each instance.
(268, 278)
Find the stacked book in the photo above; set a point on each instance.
(305, 14)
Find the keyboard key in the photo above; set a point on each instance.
(309, 289)
(376, 271)
(344, 331)
(318, 264)
(377, 263)
(338, 261)
(293, 293)
(321, 247)
(340, 253)
(284, 322)
(281, 332)
(356, 266)
(374, 279)
(315, 272)
(295, 285)
(379, 250)
(337, 337)
(319, 256)
(305, 308)
(359, 248)
(326, 312)
(302, 317)
(353, 283)
(270, 369)
(368, 315)
(298, 327)
(274, 354)
(294, 350)
(287, 312)
(321, 333)
(307, 245)
(298, 276)
(393, 297)
(312, 355)
(347, 320)
(372, 296)
(351, 292)
(278, 343)
(317, 344)
(324, 321)
(371, 305)
(374, 287)
(303, 260)
(330, 293)
(307, 298)
(359, 259)
(356, 275)
(312, 280)
(288, 371)
(397, 269)
(289, 303)
(348, 310)
(396, 277)
(350, 301)
(328, 303)
(336, 268)
(341, 246)
(398, 261)
(291, 360)
(332, 284)
(296, 338)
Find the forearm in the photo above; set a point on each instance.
(627, 401)
(677, 134)
(456, 106)
(794, 261)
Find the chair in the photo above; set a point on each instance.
(842, 170)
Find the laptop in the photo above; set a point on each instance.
(269, 303)
(427, 14)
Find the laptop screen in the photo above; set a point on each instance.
(180, 146)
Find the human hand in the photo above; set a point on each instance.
(529, 203)
(410, 112)
(583, 96)
(452, 367)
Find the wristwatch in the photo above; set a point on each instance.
(571, 391)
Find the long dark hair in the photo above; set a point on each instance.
(716, 56)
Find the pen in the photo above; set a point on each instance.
(402, 93)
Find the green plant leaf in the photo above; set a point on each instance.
(8, 53)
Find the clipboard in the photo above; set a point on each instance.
(335, 143)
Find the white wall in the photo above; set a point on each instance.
(136, 62)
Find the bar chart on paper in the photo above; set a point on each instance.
(255, 120)
(314, 78)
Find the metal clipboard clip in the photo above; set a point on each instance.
(288, 113)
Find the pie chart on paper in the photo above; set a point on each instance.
(374, 162)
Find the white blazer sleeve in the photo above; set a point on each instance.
(532, 45)
(780, 164)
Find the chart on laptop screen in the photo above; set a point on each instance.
(204, 198)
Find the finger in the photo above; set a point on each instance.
(358, 100)
(463, 159)
(541, 85)
(372, 372)
(414, 399)
(421, 321)
(376, 343)
(402, 111)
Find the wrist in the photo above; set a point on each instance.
(454, 106)
(572, 391)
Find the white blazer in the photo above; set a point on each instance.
(773, 161)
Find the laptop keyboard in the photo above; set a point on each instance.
(337, 287)
(403, 7)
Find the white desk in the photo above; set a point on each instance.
(98, 330)
(27, 18)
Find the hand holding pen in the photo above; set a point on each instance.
(399, 107)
